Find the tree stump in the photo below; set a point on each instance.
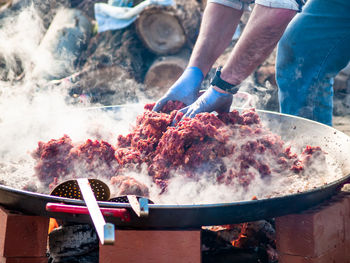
(160, 30)
(165, 71)
(164, 30)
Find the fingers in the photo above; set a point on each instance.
(179, 116)
(191, 113)
(184, 110)
(160, 104)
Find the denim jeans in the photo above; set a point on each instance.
(313, 49)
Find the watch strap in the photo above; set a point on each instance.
(222, 84)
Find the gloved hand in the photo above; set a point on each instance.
(185, 89)
(211, 100)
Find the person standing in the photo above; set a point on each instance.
(311, 52)
(264, 29)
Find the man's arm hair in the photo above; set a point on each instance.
(261, 34)
(217, 28)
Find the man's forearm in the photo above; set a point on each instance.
(218, 26)
(261, 34)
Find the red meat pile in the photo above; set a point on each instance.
(233, 147)
(127, 185)
(57, 159)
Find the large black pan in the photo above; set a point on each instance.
(193, 216)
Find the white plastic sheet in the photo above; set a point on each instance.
(111, 16)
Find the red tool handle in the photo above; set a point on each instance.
(121, 213)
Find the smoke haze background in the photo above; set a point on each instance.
(31, 110)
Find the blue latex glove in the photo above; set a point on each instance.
(185, 89)
(211, 100)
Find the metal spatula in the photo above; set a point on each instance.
(105, 231)
(89, 190)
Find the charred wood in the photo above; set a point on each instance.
(73, 240)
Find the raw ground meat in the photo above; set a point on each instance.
(95, 158)
(52, 159)
(59, 159)
(127, 185)
(232, 147)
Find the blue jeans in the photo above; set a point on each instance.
(313, 49)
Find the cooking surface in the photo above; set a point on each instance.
(332, 141)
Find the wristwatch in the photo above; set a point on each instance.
(220, 83)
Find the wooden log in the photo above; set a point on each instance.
(72, 240)
(118, 48)
(160, 30)
(165, 71)
(63, 43)
(11, 64)
(164, 30)
(113, 65)
(190, 14)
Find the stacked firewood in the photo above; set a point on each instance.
(153, 51)
(118, 66)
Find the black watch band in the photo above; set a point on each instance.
(220, 83)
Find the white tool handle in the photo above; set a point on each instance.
(94, 210)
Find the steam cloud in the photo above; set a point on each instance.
(31, 111)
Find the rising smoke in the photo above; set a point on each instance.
(31, 110)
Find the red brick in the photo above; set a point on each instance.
(153, 246)
(315, 231)
(22, 235)
(24, 260)
(336, 255)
